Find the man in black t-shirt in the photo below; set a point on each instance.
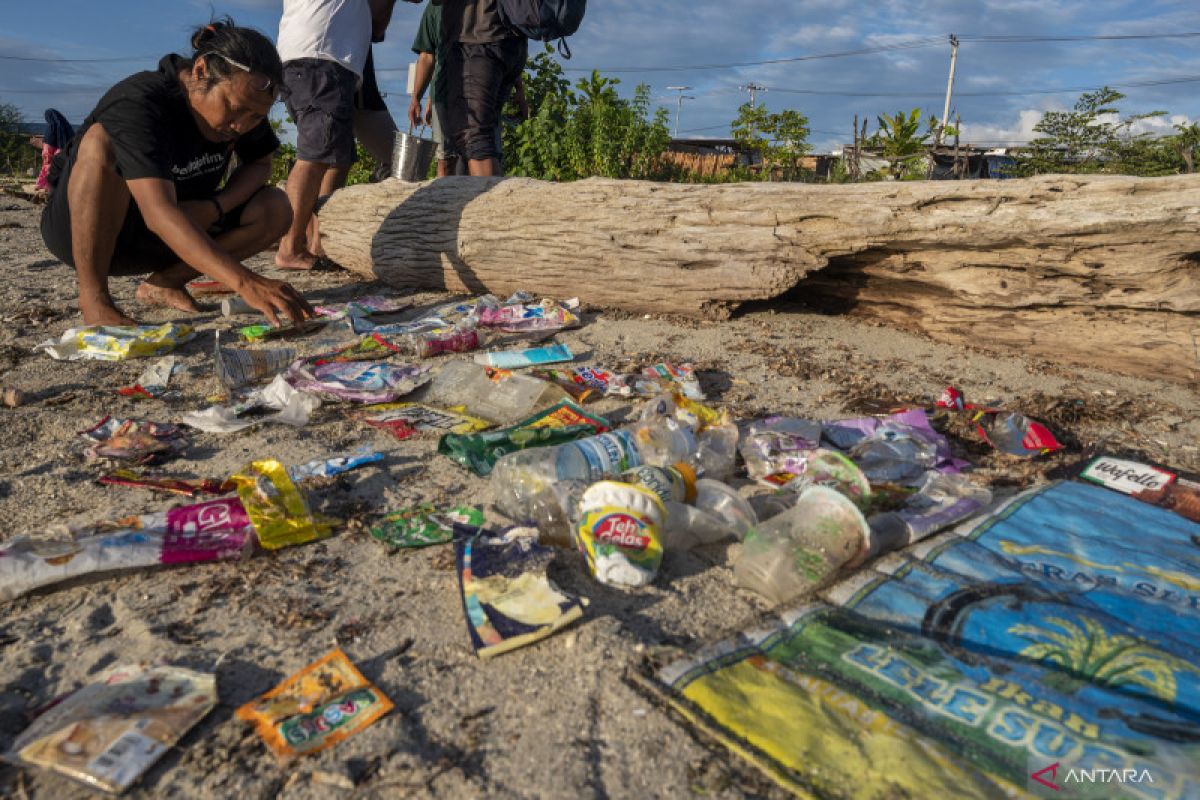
(139, 189)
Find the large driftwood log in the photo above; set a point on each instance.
(1090, 270)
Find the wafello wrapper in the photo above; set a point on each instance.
(107, 734)
(117, 343)
(319, 706)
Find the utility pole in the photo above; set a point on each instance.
(753, 89)
(679, 108)
(949, 88)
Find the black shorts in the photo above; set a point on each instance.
(321, 102)
(368, 98)
(138, 249)
(480, 78)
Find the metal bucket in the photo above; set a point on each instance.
(411, 156)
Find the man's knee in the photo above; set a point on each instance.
(271, 209)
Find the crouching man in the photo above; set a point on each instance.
(138, 190)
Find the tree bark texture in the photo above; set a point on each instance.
(1101, 271)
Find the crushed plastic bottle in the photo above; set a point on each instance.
(518, 477)
(427, 344)
(502, 398)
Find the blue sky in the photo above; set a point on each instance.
(637, 36)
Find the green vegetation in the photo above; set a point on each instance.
(16, 154)
(585, 131)
(779, 140)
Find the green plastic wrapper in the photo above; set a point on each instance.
(559, 424)
(424, 525)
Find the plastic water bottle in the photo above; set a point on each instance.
(427, 344)
(555, 511)
(520, 477)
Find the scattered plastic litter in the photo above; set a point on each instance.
(579, 391)
(368, 348)
(153, 381)
(181, 486)
(261, 332)
(547, 315)
(238, 368)
(438, 341)
(498, 396)
(680, 378)
(365, 306)
(508, 599)
(290, 407)
(424, 525)
(328, 467)
(276, 507)
(133, 442)
(515, 359)
(357, 381)
(211, 531)
(319, 706)
(1016, 434)
(564, 422)
(405, 420)
(106, 343)
(109, 733)
(776, 449)
(939, 502)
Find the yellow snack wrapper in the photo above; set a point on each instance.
(115, 343)
(319, 706)
(698, 415)
(277, 508)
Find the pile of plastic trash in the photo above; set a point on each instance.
(806, 500)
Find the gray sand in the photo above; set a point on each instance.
(555, 719)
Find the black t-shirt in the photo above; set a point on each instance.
(155, 136)
(473, 22)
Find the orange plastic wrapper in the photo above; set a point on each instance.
(277, 508)
(319, 706)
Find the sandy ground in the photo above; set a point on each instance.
(555, 719)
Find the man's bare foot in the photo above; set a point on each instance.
(105, 315)
(178, 299)
(295, 260)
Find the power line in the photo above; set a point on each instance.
(79, 60)
(906, 45)
(1013, 93)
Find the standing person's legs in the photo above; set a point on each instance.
(475, 75)
(447, 159)
(321, 101)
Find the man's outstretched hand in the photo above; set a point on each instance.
(274, 299)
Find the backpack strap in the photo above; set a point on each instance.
(564, 49)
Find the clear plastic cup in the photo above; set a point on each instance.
(800, 550)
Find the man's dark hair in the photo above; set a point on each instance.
(228, 49)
